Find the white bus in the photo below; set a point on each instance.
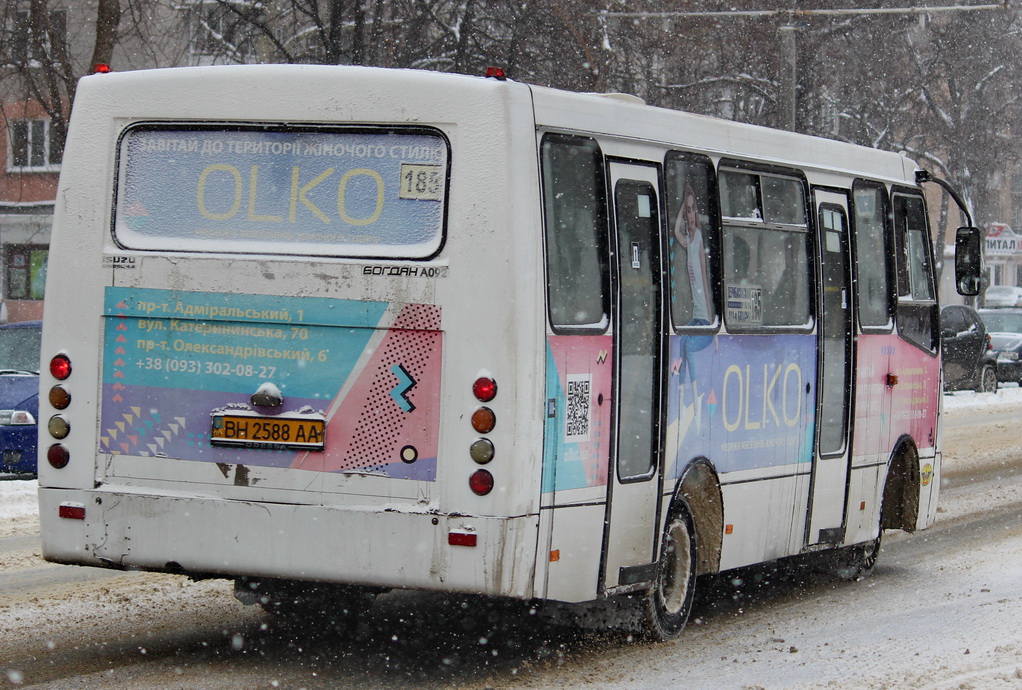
(329, 331)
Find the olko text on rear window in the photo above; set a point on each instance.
(365, 193)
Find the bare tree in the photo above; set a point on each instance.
(108, 17)
(40, 63)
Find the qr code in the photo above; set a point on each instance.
(576, 413)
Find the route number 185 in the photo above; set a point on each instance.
(421, 182)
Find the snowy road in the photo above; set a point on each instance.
(940, 611)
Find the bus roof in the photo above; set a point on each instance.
(612, 115)
(325, 92)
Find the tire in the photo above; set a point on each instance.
(987, 382)
(331, 607)
(857, 562)
(669, 602)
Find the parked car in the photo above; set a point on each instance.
(1005, 329)
(968, 358)
(19, 397)
(1002, 296)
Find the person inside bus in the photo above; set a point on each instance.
(689, 235)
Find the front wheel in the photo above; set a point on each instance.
(669, 602)
(987, 379)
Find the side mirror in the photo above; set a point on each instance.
(968, 260)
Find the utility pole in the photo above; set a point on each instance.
(787, 79)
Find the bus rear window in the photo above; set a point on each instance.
(319, 192)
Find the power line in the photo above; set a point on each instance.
(806, 13)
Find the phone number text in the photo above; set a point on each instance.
(193, 366)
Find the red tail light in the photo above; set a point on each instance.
(60, 367)
(481, 482)
(58, 456)
(485, 389)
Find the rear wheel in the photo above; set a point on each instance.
(669, 602)
(335, 607)
(987, 379)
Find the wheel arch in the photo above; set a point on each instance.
(699, 488)
(900, 507)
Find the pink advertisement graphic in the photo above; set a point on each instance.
(578, 433)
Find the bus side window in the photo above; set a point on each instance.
(765, 252)
(739, 195)
(872, 255)
(692, 243)
(576, 231)
(766, 278)
(917, 304)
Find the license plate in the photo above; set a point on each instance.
(273, 433)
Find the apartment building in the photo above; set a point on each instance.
(41, 57)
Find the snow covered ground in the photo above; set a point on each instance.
(1008, 395)
(18, 505)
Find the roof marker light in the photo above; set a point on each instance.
(101, 68)
(496, 73)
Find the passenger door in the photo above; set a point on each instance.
(632, 528)
(835, 373)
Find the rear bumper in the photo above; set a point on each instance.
(227, 538)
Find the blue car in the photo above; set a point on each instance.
(19, 397)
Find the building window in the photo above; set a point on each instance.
(24, 49)
(32, 146)
(25, 272)
(222, 32)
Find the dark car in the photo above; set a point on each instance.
(1005, 328)
(968, 358)
(19, 397)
